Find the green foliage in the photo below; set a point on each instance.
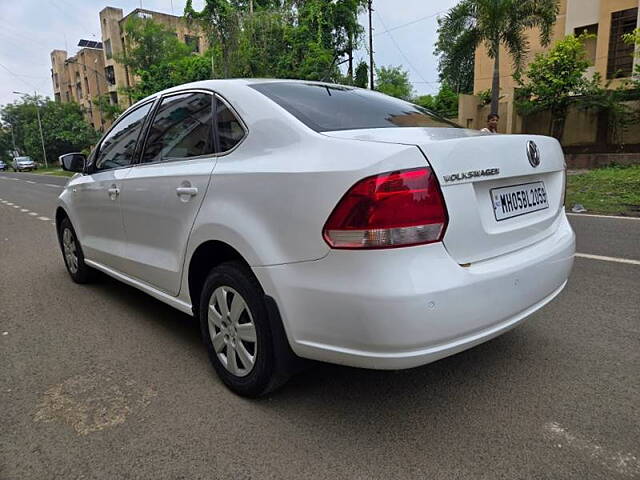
(63, 126)
(556, 80)
(612, 190)
(634, 39)
(493, 23)
(169, 74)
(148, 43)
(284, 39)
(394, 81)
(109, 110)
(444, 103)
(361, 78)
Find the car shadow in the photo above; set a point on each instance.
(491, 364)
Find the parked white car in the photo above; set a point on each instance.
(22, 164)
(309, 220)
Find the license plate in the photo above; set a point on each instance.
(516, 200)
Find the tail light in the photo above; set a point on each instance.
(394, 209)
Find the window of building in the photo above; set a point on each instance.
(107, 49)
(119, 146)
(620, 61)
(57, 95)
(182, 128)
(78, 86)
(589, 43)
(113, 98)
(193, 42)
(55, 80)
(110, 75)
(229, 129)
(86, 85)
(144, 15)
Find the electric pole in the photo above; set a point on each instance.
(371, 85)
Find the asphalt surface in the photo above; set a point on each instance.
(102, 381)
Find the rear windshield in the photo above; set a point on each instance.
(326, 108)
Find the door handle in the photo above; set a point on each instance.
(113, 192)
(191, 191)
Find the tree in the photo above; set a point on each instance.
(63, 126)
(494, 24)
(555, 80)
(394, 81)
(634, 39)
(456, 52)
(169, 74)
(110, 111)
(286, 38)
(361, 78)
(148, 43)
(444, 103)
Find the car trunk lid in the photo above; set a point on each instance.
(481, 177)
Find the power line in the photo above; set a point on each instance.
(400, 50)
(410, 23)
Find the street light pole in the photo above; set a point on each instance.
(44, 151)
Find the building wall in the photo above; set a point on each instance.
(113, 23)
(80, 79)
(574, 14)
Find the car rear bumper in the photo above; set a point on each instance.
(400, 308)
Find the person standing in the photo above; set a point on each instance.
(492, 124)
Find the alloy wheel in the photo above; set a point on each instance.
(70, 250)
(232, 330)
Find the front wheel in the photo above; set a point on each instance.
(79, 271)
(236, 331)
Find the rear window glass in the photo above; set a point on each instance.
(326, 108)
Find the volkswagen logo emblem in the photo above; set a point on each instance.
(533, 153)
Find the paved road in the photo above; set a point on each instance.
(101, 381)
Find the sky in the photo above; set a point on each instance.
(404, 35)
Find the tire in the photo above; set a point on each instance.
(227, 283)
(72, 254)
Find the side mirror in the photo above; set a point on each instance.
(73, 162)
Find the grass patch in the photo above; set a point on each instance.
(610, 190)
(56, 171)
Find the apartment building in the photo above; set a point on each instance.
(112, 23)
(608, 20)
(94, 70)
(80, 79)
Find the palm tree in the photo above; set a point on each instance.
(497, 23)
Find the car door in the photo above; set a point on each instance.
(96, 197)
(162, 194)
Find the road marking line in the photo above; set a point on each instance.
(9, 203)
(608, 259)
(46, 219)
(625, 464)
(601, 216)
(24, 209)
(33, 213)
(54, 186)
(30, 181)
(16, 206)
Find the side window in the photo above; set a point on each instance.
(230, 130)
(119, 146)
(181, 128)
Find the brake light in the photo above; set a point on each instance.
(394, 209)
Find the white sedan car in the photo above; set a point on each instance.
(308, 220)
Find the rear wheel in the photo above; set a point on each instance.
(236, 331)
(72, 253)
